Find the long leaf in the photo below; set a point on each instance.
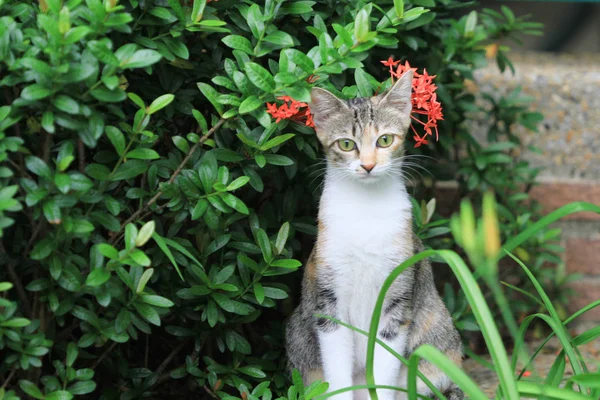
(480, 309)
(529, 389)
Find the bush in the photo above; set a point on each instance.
(153, 215)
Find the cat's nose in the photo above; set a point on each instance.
(368, 167)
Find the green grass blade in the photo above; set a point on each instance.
(529, 389)
(480, 309)
(554, 216)
(370, 387)
(557, 326)
(551, 335)
(523, 292)
(439, 359)
(589, 380)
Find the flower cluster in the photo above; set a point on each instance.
(291, 109)
(424, 102)
(424, 99)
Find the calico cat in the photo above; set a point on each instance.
(365, 231)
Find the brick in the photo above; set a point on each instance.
(553, 195)
(585, 292)
(583, 256)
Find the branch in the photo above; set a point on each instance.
(10, 376)
(153, 200)
(170, 357)
(108, 350)
(17, 282)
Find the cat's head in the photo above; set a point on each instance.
(364, 138)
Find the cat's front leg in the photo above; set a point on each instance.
(386, 366)
(335, 343)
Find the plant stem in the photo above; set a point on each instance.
(172, 179)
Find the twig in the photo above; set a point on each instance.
(17, 282)
(170, 357)
(101, 358)
(81, 156)
(10, 376)
(189, 155)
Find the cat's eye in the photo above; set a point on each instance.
(346, 144)
(385, 140)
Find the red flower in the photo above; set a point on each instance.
(527, 374)
(291, 109)
(424, 102)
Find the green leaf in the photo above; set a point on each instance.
(142, 154)
(301, 60)
(282, 237)
(83, 387)
(181, 144)
(286, 263)
(252, 371)
(238, 183)
(97, 277)
(362, 82)
(31, 389)
(165, 249)
(16, 323)
(160, 103)
(108, 96)
(66, 104)
(265, 245)
(116, 138)
(280, 38)
(145, 233)
(147, 312)
(72, 353)
(157, 301)
(52, 212)
(234, 203)
(141, 59)
(211, 95)
(277, 159)
(140, 258)
(275, 293)
(199, 209)
(276, 141)
(35, 92)
(130, 169)
(144, 280)
(198, 10)
(259, 292)
(237, 42)
(62, 182)
(260, 77)
(362, 25)
(250, 104)
(38, 167)
(399, 8)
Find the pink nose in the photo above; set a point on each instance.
(368, 167)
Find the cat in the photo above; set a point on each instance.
(364, 232)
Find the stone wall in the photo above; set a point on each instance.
(566, 90)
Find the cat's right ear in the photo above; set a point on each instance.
(325, 107)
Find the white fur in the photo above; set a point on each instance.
(362, 221)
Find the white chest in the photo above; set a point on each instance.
(361, 240)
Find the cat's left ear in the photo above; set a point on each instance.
(398, 96)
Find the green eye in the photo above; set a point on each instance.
(346, 144)
(385, 140)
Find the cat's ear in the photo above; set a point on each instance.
(398, 96)
(325, 107)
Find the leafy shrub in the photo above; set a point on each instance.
(152, 214)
